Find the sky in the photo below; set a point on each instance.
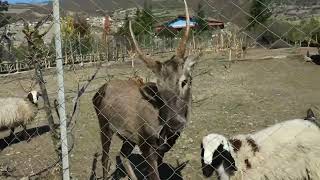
(26, 1)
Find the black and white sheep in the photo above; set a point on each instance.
(287, 150)
(18, 111)
(315, 58)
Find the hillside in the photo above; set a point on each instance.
(235, 11)
(223, 9)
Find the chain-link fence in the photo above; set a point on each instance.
(114, 89)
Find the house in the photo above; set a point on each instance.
(175, 24)
(213, 23)
(180, 22)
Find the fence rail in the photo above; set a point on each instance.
(119, 51)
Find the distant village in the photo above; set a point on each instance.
(117, 20)
(114, 21)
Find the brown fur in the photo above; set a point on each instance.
(253, 144)
(125, 103)
(248, 164)
(121, 108)
(236, 143)
(124, 107)
(150, 92)
(138, 80)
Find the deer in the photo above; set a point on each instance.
(151, 115)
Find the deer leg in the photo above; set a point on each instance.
(106, 137)
(148, 149)
(166, 144)
(125, 152)
(162, 144)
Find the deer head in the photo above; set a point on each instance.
(173, 79)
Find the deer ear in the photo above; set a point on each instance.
(149, 92)
(157, 67)
(310, 115)
(190, 62)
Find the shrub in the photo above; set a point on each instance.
(76, 35)
(259, 12)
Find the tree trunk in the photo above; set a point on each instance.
(54, 135)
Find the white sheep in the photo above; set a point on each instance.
(287, 150)
(17, 111)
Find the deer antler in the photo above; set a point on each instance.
(24, 89)
(32, 84)
(148, 61)
(131, 53)
(183, 42)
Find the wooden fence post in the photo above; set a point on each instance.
(17, 66)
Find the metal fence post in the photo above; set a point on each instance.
(61, 98)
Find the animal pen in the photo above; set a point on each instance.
(116, 97)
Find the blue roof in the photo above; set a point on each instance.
(27, 1)
(180, 23)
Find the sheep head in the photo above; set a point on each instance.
(216, 156)
(33, 96)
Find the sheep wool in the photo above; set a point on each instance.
(16, 111)
(285, 151)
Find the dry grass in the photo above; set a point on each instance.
(246, 97)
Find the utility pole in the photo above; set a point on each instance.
(61, 97)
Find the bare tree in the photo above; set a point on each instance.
(36, 54)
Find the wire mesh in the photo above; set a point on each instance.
(258, 67)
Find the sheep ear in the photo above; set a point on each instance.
(229, 162)
(310, 115)
(30, 97)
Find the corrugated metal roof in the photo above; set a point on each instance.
(210, 19)
(180, 23)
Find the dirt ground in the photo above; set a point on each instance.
(240, 97)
